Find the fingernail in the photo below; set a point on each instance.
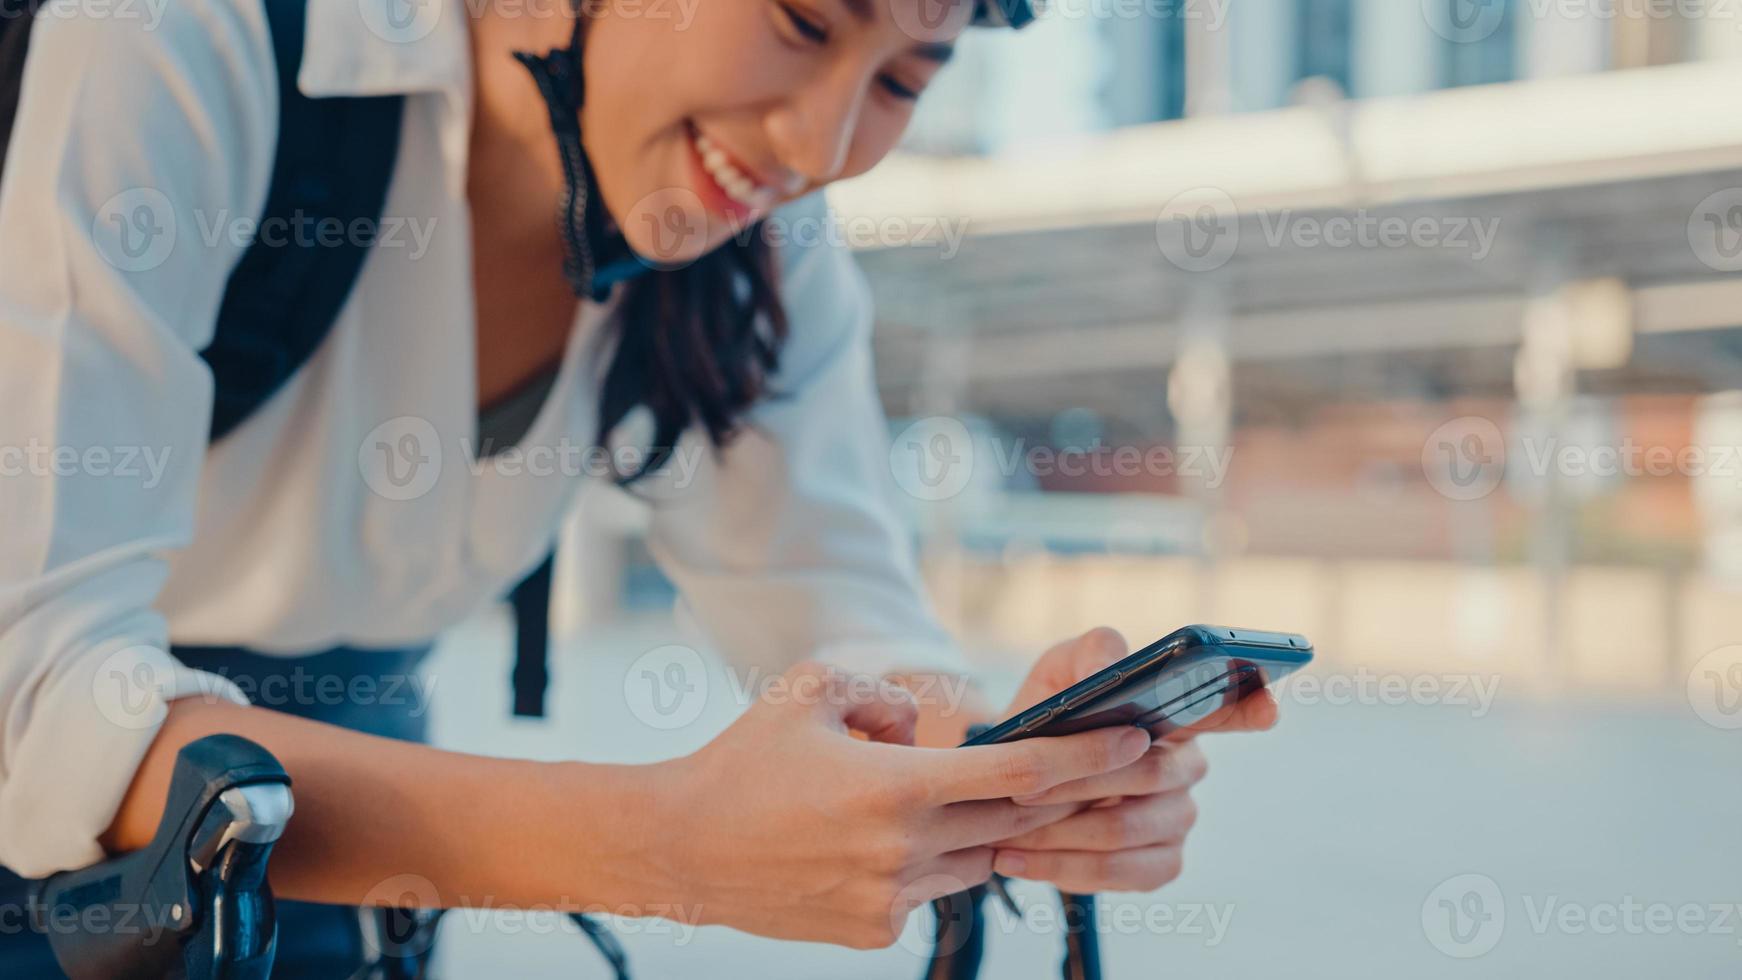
(1009, 864)
(1135, 742)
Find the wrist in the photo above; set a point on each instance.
(610, 830)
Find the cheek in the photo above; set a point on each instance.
(878, 136)
(646, 78)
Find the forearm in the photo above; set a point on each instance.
(481, 831)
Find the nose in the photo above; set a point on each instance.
(813, 131)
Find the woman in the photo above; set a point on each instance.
(284, 539)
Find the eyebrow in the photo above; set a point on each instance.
(940, 53)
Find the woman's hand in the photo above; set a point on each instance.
(1131, 823)
(788, 826)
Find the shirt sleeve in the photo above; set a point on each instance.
(785, 546)
(136, 145)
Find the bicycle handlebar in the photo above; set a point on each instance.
(195, 902)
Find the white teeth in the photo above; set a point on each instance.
(733, 181)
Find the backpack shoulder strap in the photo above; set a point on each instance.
(16, 19)
(334, 162)
(332, 168)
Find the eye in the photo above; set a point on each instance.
(807, 28)
(894, 87)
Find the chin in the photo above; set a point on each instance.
(673, 243)
(670, 225)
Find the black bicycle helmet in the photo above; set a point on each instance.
(1005, 13)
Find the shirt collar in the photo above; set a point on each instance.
(385, 47)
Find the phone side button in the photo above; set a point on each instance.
(1037, 718)
(1107, 683)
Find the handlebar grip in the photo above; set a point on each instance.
(202, 877)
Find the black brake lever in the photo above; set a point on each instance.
(195, 902)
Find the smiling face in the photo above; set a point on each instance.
(703, 115)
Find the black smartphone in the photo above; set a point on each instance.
(1175, 682)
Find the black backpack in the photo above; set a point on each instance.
(334, 160)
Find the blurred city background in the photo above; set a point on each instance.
(1411, 325)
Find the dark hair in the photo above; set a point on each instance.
(696, 346)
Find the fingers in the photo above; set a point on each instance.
(1094, 651)
(948, 874)
(1140, 822)
(1080, 872)
(976, 823)
(1256, 712)
(1069, 662)
(881, 710)
(1163, 769)
(1035, 765)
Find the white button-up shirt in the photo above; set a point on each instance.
(348, 510)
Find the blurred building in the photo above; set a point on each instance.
(1563, 185)
(1128, 62)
